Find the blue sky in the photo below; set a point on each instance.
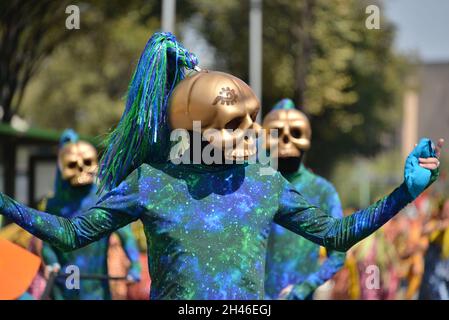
(422, 27)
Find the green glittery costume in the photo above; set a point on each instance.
(206, 226)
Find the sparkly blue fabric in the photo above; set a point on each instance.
(293, 260)
(70, 202)
(206, 226)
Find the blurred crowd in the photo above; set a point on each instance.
(407, 259)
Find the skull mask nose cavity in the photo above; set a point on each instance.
(285, 139)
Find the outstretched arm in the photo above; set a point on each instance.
(115, 210)
(295, 214)
(298, 216)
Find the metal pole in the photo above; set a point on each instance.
(410, 122)
(168, 15)
(255, 50)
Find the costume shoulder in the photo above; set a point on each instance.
(326, 184)
(148, 175)
(265, 173)
(144, 170)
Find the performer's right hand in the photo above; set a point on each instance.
(53, 268)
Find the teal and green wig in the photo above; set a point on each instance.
(142, 135)
(284, 104)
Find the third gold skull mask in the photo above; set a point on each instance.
(78, 163)
(294, 132)
(221, 102)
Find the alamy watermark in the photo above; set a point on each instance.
(72, 281)
(224, 147)
(373, 20)
(73, 19)
(372, 281)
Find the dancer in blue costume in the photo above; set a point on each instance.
(293, 265)
(206, 224)
(75, 192)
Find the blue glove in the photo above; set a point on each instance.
(416, 177)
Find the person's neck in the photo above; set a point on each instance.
(290, 165)
(73, 192)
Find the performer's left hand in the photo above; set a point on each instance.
(433, 163)
(53, 268)
(422, 166)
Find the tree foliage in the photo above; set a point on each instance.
(29, 32)
(83, 84)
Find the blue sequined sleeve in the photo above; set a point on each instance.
(116, 209)
(295, 214)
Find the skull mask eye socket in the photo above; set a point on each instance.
(72, 164)
(295, 133)
(87, 162)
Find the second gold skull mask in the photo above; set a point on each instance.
(294, 132)
(78, 163)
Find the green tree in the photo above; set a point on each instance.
(29, 32)
(84, 82)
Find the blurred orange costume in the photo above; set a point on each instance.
(18, 267)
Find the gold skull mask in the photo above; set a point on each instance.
(221, 102)
(78, 163)
(294, 132)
